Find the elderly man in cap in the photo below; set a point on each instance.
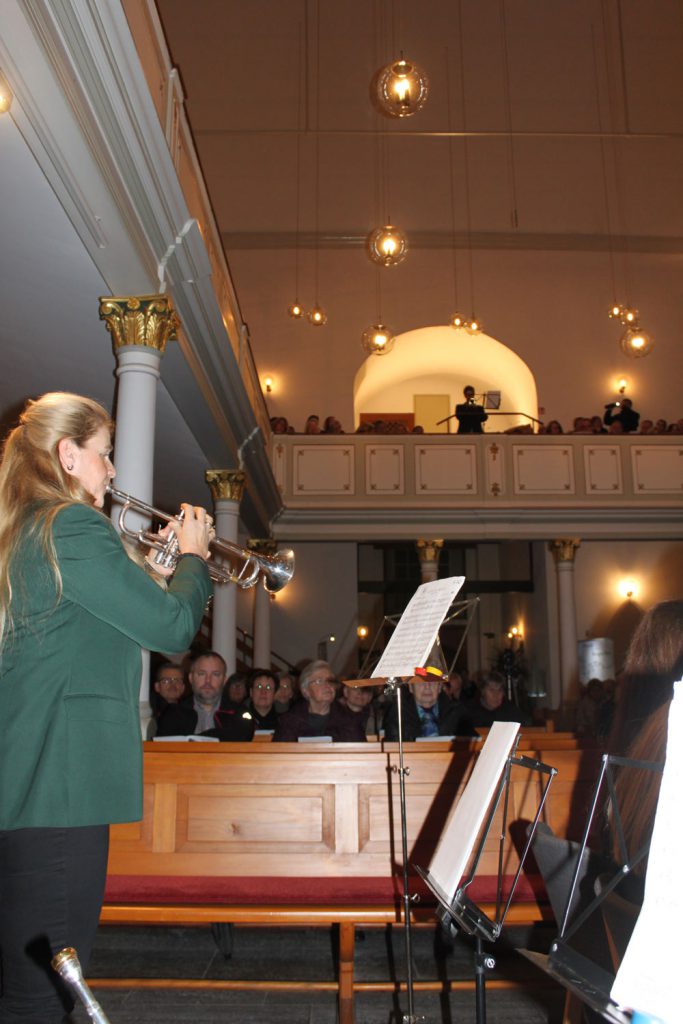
(427, 710)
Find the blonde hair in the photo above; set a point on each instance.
(34, 487)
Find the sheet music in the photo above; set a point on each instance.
(647, 979)
(467, 815)
(414, 637)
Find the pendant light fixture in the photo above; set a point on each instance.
(295, 309)
(317, 316)
(472, 324)
(387, 246)
(378, 339)
(634, 342)
(400, 88)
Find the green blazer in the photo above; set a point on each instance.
(70, 747)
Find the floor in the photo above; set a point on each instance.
(308, 954)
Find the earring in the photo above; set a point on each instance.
(69, 468)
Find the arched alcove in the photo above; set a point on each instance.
(442, 360)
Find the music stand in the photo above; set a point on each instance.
(455, 906)
(586, 979)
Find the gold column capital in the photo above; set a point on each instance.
(266, 546)
(226, 484)
(564, 549)
(428, 550)
(143, 320)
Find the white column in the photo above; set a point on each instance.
(262, 644)
(262, 603)
(227, 487)
(428, 552)
(564, 551)
(140, 327)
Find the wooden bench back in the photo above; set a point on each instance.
(284, 810)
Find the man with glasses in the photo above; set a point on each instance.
(427, 711)
(201, 714)
(168, 687)
(262, 687)
(319, 713)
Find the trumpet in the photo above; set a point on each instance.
(240, 566)
(68, 967)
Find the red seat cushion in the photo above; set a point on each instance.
(283, 891)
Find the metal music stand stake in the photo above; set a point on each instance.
(393, 686)
(463, 912)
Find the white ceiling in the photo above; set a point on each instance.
(534, 146)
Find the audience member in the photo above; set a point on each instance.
(235, 695)
(452, 686)
(262, 687)
(168, 687)
(554, 427)
(201, 714)
(319, 714)
(646, 427)
(279, 425)
(596, 425)
(654, 661)
(427, 711)
(286, 692)
(659, 427)
(588, 710)
(312, 425)
(359, 699)
(332, 426)
(469, 414)
(491, 705)
(624, 414)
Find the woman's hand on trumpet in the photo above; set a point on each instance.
(194, 531)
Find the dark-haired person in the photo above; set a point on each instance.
(263, 685)
(75, 612)
(168, 687)
(490, 704)
(469, 414)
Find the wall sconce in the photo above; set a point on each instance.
(515, 633)
(622, 384)
(362, 632)
(268, 384)
(628, 588)
(6, 95)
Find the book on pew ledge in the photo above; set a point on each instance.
(434, 739)
(263, 732)
(315, 739)
(185, 739)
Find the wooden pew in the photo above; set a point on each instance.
(304, 834)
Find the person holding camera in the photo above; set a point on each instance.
(624, 413)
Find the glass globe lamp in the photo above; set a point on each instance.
(458, 321)
(296, 311)
(317, 316)
(615, 311)
(387, 246)
(473, 326)
(400, 89)
(377, 340)
(629, 317)
(636, 343)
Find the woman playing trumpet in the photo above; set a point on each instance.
(75, 612)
